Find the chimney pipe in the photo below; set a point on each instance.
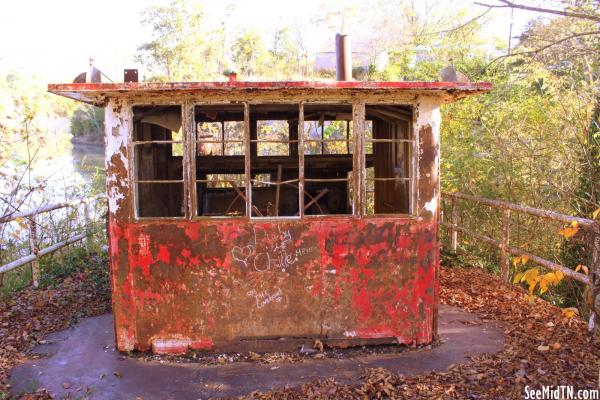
(343, 55)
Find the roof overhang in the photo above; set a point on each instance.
(99, 93)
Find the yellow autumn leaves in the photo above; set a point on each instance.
(533, 279)
(570, 231)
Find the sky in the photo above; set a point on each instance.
(53, 40)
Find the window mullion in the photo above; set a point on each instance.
(222, 138)
(359, 161)
(301, 158)
(247, 158)
(189, 159)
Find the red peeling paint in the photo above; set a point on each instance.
(376, 278)
(163, 254)
(191, 232)
(362, 300)
(202, 344)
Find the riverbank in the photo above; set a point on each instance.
(91, 139)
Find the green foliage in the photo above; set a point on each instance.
(87, 120)
(177, 49)
(248, 52)
(86, 256)
(77, 260)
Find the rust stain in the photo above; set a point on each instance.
(239, 283)
(98, 93)
(209, 284)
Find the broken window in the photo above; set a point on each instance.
(250, 161)
(274, 163)
(328, 159)
(220, 167)
(388, 144)
(158, 161)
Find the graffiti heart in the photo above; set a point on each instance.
(242, 254)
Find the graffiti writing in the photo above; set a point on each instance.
(270, 250)
(264, 298)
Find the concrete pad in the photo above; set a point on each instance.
(84, 357)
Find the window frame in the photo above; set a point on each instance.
(357, 141)
(254, 142)
(193, 154)
(133, 171)
(350, 143)
(412, 179)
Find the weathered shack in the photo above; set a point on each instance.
(261, 215)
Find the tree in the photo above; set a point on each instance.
(287, 53)
(249, 52)
(87, 119)
(177, 51)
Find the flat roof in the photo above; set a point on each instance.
(98, 93)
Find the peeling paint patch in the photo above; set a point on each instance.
(194, 292)
(431, 206)
(170, 346)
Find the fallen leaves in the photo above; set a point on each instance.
(569, 312)
(541, 349)
(29, 315)
(318, 345)
(544, 344)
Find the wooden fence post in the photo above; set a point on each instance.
(454, 223)
(594, 323)
(87, 220)
(34, 248)
(504, 252)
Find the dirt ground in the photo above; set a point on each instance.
(542, 346)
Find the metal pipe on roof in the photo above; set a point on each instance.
(343, 56)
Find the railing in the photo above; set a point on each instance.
(591, 227)
(35, 252)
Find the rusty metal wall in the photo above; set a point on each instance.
(219, 284)
(210, 283)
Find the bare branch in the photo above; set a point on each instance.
(456, 28)
(539, 50)
(564, 13)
